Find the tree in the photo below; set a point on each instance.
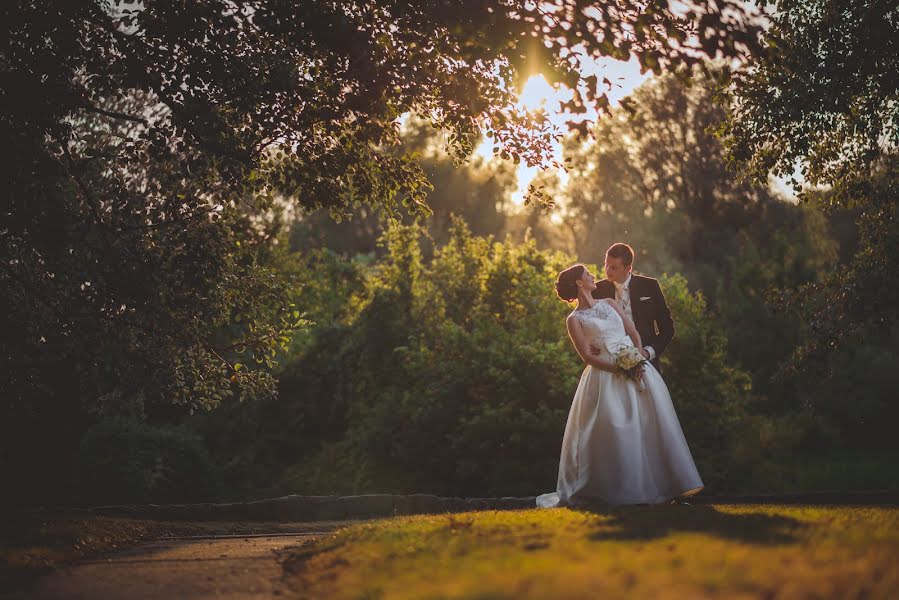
(305, 97)
(438, 362)
(476, 190)
(823, 100)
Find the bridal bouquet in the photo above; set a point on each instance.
(629, 360)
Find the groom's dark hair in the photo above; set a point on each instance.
(622, 251)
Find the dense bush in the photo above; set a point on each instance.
(125, 461)
(861, 391)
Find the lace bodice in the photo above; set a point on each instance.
(604, 328)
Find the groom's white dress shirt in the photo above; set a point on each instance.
(623, 296)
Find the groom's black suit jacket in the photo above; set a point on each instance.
(652, 317)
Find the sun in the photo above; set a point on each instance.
(536, 92)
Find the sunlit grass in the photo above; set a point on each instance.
(745, 551)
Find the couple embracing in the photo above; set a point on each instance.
(623, 443)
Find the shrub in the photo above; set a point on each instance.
(125, 461)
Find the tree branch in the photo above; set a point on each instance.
(189, 217)
(113, 114)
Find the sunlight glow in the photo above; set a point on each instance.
(537, 94)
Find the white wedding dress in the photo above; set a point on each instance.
(621, 445)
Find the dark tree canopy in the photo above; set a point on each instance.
(825, 94)
(302, 97)
(824, 97)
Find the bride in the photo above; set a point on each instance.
(623, 443)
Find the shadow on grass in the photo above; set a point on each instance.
(652, 522)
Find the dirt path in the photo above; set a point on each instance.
(233, 567)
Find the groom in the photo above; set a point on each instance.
(641, 299)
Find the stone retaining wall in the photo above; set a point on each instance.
(312, 508)
(329, 508)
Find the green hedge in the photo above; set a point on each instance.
(123, 461)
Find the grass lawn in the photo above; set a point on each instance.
(723, 551)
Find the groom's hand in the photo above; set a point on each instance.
(645, 353)
(595, 350)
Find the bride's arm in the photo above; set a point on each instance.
(576, 333)
(629, 327)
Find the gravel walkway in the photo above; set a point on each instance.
(194, 568)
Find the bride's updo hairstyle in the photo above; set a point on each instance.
(566, 283)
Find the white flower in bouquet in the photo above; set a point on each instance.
(629, 360)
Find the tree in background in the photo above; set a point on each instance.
(476, 190)
(824, 101)
(127, 290)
